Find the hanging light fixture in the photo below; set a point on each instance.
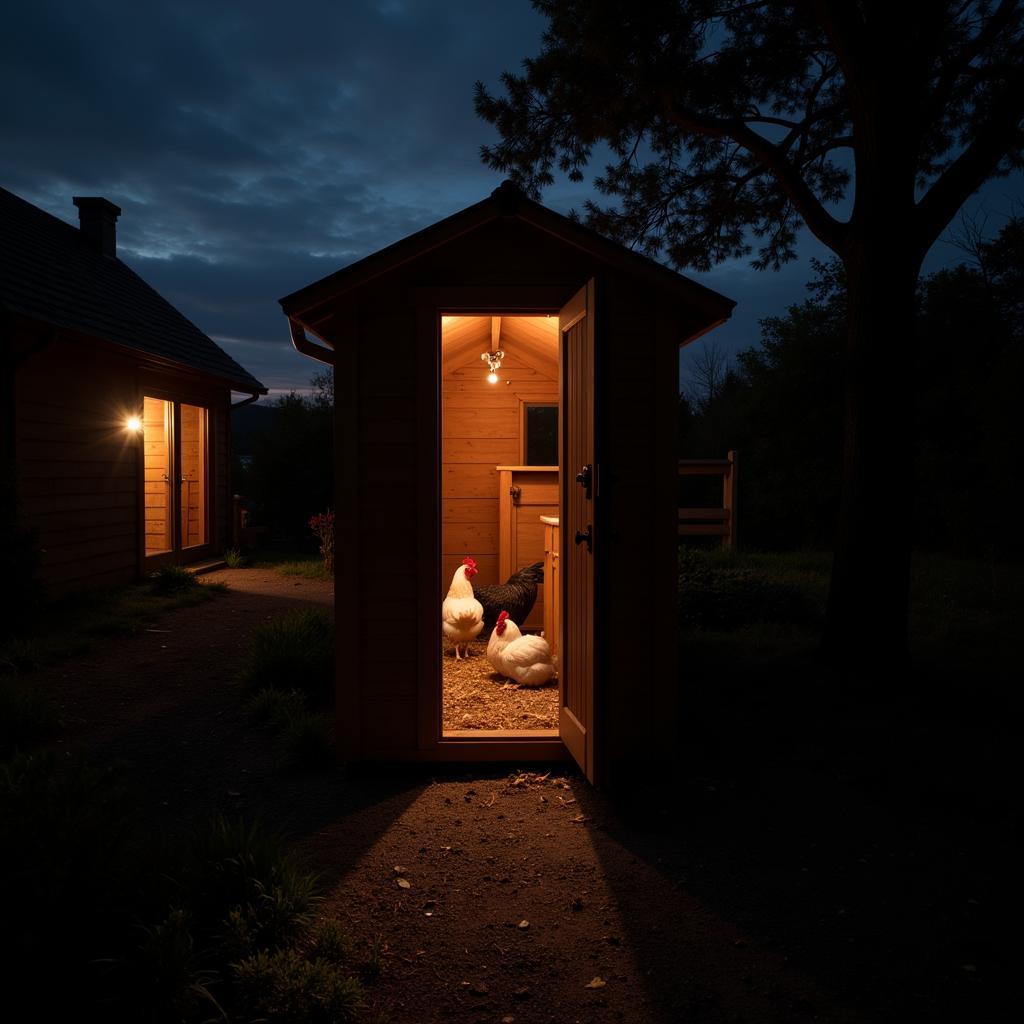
(493, 360)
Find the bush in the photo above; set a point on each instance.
(717, 591)
(308, 741)
(295, 652)
(63, 822)
(26, 716)
(170, 579)
(322, 526)
(286, 988)
(245, 890)
(276, 708)
(234, 559)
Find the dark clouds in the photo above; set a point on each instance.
(256, 146)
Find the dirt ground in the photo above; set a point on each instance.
(753, 893)
(474, 696)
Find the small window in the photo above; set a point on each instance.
(540, 434)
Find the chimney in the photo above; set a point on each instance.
(97, 220)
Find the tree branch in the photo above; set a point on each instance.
(824, 226)
(994, 139)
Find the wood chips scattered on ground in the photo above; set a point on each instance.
(476, 697)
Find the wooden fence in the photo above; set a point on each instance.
(712, 522)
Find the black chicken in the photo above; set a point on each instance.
(515, 596)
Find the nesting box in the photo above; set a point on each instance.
(577, 423)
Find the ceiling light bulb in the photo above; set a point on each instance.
(492, 378)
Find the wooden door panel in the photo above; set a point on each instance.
(576, 674)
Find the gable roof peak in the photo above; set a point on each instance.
(509, 197)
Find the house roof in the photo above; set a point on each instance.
(48, 272)
(505, 201)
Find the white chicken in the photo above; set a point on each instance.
(526, 659)
(462, 615)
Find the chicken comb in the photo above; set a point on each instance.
(469, 561)
(502, 615)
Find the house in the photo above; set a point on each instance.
(506, 383)
(116, 407)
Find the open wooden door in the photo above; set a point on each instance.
(579, 489)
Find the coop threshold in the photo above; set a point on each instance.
(501, 745)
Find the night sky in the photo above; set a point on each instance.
(255, 147)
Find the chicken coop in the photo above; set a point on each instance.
(506, 386)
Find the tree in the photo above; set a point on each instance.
(707, 372)
(730, 124)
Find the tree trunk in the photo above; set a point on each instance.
(868, 601)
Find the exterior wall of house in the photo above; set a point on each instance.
(77, 464)
(80, 470)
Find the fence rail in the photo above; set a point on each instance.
(712, 522)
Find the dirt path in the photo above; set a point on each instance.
(530, 899)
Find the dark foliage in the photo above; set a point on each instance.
(288, 471)
(716, 593)
(782, 409)
(730, 125)
(294, 652)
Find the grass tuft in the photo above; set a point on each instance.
(234, 559)
(27, 716)
(284, 986)
(275, 708)
(308, 742)
(170, 579)
(294, 652)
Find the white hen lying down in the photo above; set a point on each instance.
(526, 659)
(462, 615)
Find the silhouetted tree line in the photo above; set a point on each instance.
(781, 405)
(284, 460)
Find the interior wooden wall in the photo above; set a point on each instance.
(157, 472)
(480, 430)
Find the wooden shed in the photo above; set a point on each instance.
(116, 408)
(565, 451)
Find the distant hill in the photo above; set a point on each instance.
(249, 421)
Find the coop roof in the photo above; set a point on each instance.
(49, 273)
(507, 201)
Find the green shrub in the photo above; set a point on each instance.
(720, 590)
(275, 708)
(327, 940)
(27, 716)
(61, 883)
(166, 974)
(286, 988)
(308, 741)
(294, 652)
(170, 579)
(244, 888)
(234, 559)
(19, 655)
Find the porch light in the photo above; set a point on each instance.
(493, 360)
(133, 424)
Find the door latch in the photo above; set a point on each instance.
(585, 478)
(586, 535)
(516, 493)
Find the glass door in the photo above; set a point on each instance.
(192, 500)
(157, 421)
(176, 478)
